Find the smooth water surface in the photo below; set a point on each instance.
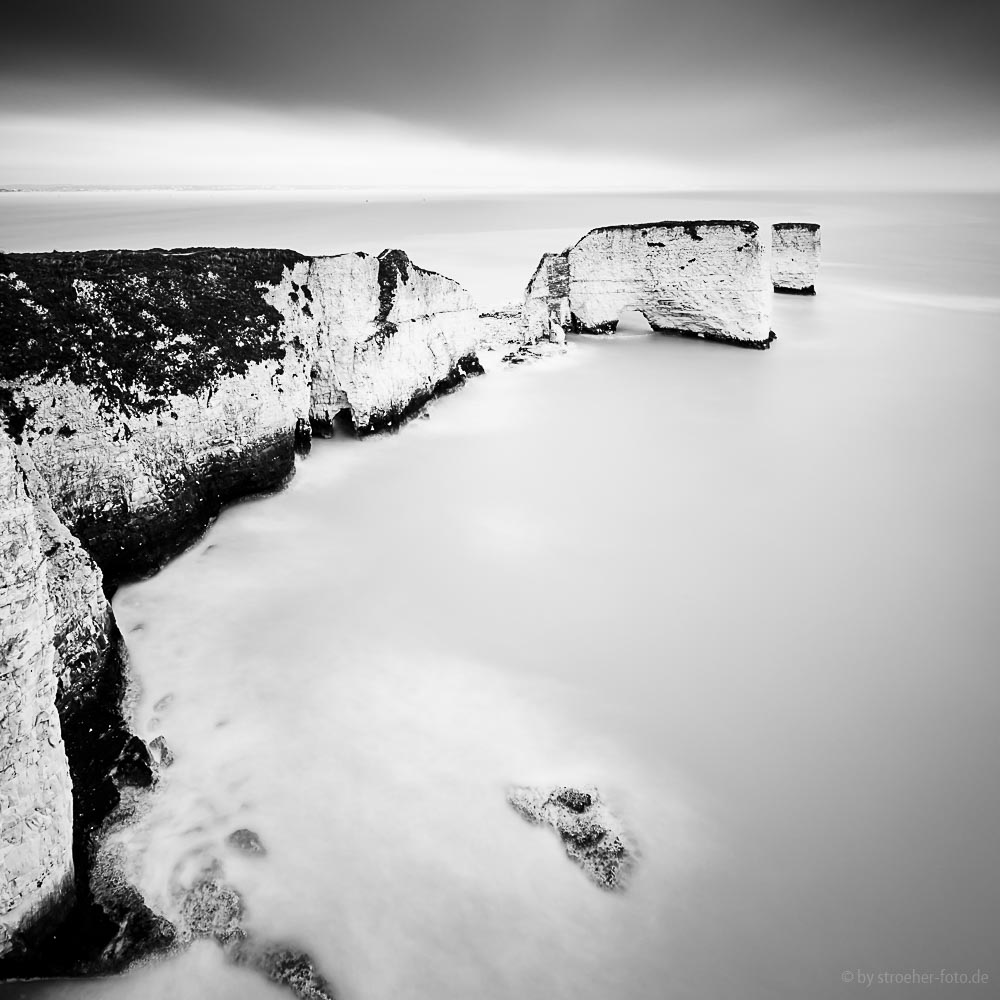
(751, 595)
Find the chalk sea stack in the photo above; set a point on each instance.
(795, 248)
(699, 278)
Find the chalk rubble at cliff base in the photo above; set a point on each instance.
(143, 390)
(795, 248)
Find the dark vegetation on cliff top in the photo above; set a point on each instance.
(153, 323)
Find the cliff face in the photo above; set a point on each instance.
(392, 335)
(141, 392)
(546, 304)
(695, 278)
(153, 387)
(795, 248)
(36, 817)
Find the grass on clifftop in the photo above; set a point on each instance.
(140, 326)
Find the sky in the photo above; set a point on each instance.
(502, 94)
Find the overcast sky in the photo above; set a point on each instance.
(501, 93)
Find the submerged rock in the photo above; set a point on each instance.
(213, 909)
(593, 836)
(246, 840)
(287, 966)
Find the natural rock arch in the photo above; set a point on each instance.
(704, 278)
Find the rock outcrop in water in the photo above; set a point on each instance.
(593, 836)
(703, 279)
(213, 909)
(795, 250)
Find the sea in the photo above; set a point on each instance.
(752, 596)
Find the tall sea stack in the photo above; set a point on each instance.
(795, 250)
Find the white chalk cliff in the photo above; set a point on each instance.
(795, 248)
(388, 335)
(366, 337)
(36, 814)
(139, 392)
(697, 278)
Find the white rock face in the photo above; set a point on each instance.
(547, 313)
(795, 248)
(82, 620)
(104, 481)
(697, 278)
(36, 815)
(373, 337)
(390, 333)
(502, 328)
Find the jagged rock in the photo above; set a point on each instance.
(795, 248)
(593, 836)
(135, 765)
(287, 966)
(699, 278)
(161, 753)
(134, 930)
(246, 840)
(213, 909)
(36, 812)
(395, 334)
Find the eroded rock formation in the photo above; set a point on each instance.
(392, 335)
(593, 836)
(153, 387)
(795, 250)
(36, 816)
(697, 278)
(66, 749)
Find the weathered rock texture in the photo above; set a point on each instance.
(547, 311)
(795, 250)
(213, 909)
(593, 836)
(66, 748)
(36, 816)
(392, 335)
(702, 278)
(153, 387)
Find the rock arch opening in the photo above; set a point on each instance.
(633, 323)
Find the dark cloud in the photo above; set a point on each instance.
(649, 73)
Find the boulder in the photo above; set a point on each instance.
(593, 836)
